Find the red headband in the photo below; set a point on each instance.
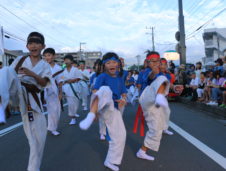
(164, 61)
(152, 56)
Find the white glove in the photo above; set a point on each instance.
(161, 100)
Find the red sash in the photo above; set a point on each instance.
(139, 116)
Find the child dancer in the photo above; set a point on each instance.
(154, 104)
(53, 94)
(109, 96)
(34, 74)
(71, 77)
(84, 84)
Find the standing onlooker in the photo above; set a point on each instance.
(1, 66)
(219, 66)
(135, 75)
(198, 69)
(171, 67)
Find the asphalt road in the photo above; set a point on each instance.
(76, 150)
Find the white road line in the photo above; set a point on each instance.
(16, 126)
(221, 160)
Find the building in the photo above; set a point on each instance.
(11, 54)
(89, 57)
(215, 43)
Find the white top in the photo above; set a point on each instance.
(194, 82)
(56, 68)
(72, 74)
(85, 73)
(42, 69)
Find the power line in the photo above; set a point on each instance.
(207, 22)
(29, 23)
(205, 15)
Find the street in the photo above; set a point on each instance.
(198, 144)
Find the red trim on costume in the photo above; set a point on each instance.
(139, 116)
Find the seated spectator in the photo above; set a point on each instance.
(216, 92)
(191, 89)
(207, 89)
(201, 86)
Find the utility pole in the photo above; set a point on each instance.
(2, 58)
(153, 37)
(80, 50)
(182, 33)
(138, 62)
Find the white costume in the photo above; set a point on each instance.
(52, 99)
(155, 115)
(73, 101)
(9, 89)
(35, 130)
(112, 118)
(85, 89)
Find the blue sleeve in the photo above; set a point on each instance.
(123, 88)
(99, 82)
(168, 76)
(139, 79)
(132, 80)
(92, 78)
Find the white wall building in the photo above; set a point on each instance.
(215, 43)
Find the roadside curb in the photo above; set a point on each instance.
(216, 110)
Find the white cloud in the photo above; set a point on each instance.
(107, 25)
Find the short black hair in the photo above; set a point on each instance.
(10, 61)
(75, 62)
(151, 53)
(109, 55)
(49, 50)
(0, 62)
(70, 57)
(36, 34)
(82, 62)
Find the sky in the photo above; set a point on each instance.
(122, 26)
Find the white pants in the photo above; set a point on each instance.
(112, 118)
(73, 104)
(84, 94)
(54, 110)
(156, 122)
(102, 126)
(36, 134)
(200, 92)
(157, 118)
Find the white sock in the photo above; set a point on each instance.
(87, 122)
(142, 155)
(111, 166)
(161, 100)
(168, 132)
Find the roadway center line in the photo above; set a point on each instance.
(14, 127)
(219, 159)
